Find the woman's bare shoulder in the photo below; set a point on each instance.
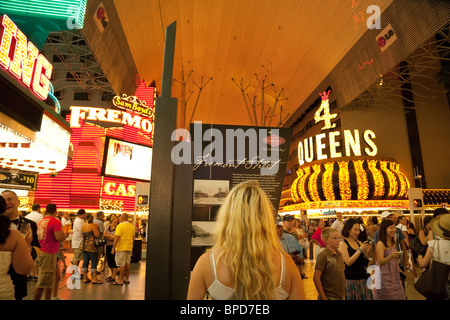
(11, 241)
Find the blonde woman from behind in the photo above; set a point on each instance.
(247, 261)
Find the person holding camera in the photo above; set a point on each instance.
(292, 247)
(390, 285)
(354, 254)
(288, 228)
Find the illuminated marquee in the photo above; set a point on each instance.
(111, 189)
(45, 154)
(133, 104)
(109, 115)
(317, 148)
(23, 60)
(354, 180)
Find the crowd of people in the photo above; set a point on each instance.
(32, 248)
(254, 256)
(391, 246)
(353, 260)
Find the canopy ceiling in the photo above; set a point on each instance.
(292, 44)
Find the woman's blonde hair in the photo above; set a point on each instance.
(246, 239)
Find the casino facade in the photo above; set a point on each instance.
(384, 149)
(372, 130)
(84, 184)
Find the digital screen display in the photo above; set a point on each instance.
(123, 159)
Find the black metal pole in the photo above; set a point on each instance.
(158, 263)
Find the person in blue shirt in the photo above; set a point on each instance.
(292, 247)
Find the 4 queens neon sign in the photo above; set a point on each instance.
(23, 60)
(326, 145)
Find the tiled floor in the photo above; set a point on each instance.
(136, 289)
(106, 291)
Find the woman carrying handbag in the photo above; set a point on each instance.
(90, 252)
(434, 283)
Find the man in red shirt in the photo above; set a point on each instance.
(316, 239)
(50, 236)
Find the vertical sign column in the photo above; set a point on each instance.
(168, 246)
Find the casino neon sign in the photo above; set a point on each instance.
(133, 104)
(23, 60)
(317, 148)
(121, 189)
(109, 115)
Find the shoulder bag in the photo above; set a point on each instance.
(417, 247)
(432, 283)
(99, 241)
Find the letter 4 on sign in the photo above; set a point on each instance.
(328, 145)
(325, 108)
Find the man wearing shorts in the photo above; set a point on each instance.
(123, 247)
(50, 234)
(77, 237)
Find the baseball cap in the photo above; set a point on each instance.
(385, 214)
(287, 217)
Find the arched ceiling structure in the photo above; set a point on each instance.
(292, 44)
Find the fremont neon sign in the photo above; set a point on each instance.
(23, 60)
(317, 148)
(109, 115)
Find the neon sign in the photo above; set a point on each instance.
(315, 148)
(109, 115)
(134, 104)
(23, 59)
(325, 108)
(121, 190)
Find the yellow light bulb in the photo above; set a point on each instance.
(9, 30)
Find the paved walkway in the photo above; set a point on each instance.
(136, 289)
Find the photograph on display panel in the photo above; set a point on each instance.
(210, 192)
(123, 159)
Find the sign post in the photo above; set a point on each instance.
(415, 197)
(168, 245)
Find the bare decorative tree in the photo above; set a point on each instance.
(185, 97)
(267, 98)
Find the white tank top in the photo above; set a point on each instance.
(219, 291)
